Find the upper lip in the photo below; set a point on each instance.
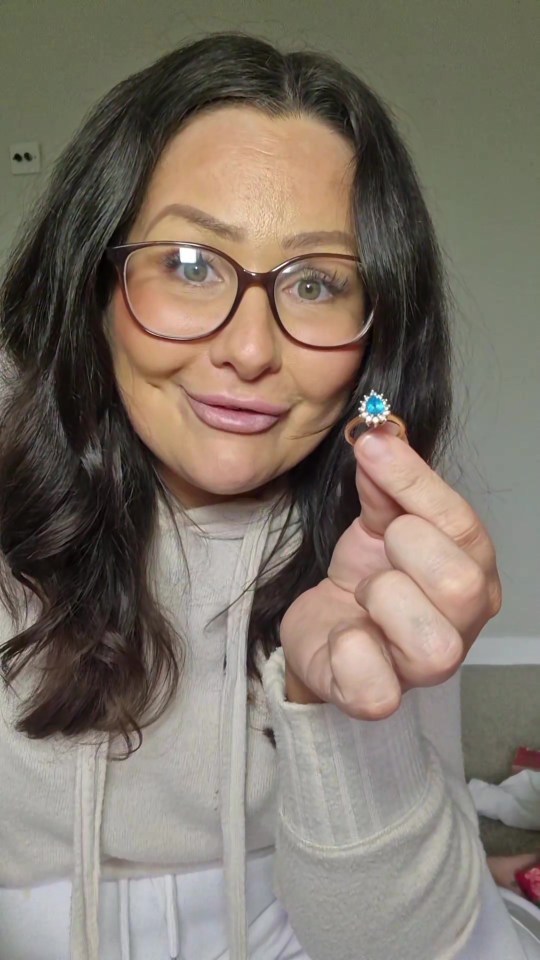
(240, 403)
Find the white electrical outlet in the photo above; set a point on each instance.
(25, 157)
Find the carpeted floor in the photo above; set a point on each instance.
(500, 711)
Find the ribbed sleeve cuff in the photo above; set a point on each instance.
(342, 780)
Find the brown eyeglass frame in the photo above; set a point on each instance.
(119, 255)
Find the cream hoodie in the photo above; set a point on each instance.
(377, 855)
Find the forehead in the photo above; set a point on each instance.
(269, 176)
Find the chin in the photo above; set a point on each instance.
(233, 472)
(198, 486)
(233, 486)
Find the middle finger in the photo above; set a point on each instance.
(458, 586)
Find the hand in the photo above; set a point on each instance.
(410, 585)
(503, 869)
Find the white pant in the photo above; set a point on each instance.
(34, 923)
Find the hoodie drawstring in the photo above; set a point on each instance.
(91, 769)
(89, 793)
(173, 933)
(233, 740)
(90, 775)
(125, 946)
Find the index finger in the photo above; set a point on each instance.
(402, 475)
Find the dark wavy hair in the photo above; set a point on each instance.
(79, 491)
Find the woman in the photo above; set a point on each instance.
(179, 515)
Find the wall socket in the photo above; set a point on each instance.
(25, 157)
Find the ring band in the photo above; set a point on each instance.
(372, 412)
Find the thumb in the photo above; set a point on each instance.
(378, 508)
(360, 552)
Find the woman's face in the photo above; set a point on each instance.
(266, 181)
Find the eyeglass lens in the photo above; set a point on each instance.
(187, 292)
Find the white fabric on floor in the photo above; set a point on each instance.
(515, 801)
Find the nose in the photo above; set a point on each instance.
(250, 342)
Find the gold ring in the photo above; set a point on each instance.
(373, 411)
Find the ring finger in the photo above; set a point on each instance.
(425, 647)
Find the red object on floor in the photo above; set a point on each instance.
(529, 883)
(525, 758)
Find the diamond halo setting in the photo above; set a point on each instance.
(374, 409)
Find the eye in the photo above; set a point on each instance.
(194, 271)
(316, 286)
(310, 288)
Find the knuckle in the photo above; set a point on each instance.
(427, 634)
(471, 531)
(379, 711)
(342, 636)
(344, 642)
(467, 531)
(495, 596)
(405, 525)
(383, 586)
(375, 692)
(374, 703)
(446, 659)
(464, 586)
(409, 480)
(438, 646)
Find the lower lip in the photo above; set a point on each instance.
(232, 421)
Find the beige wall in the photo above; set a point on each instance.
(462, 78)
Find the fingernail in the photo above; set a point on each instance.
(375, 446)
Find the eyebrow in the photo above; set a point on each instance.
(228, 231)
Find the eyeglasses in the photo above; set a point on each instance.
(188, 291)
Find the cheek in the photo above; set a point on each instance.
(325, 379)
(145, 368)
(136, 354)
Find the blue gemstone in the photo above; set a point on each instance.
(375, 406)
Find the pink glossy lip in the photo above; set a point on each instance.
(238, 403)
(235, 419)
